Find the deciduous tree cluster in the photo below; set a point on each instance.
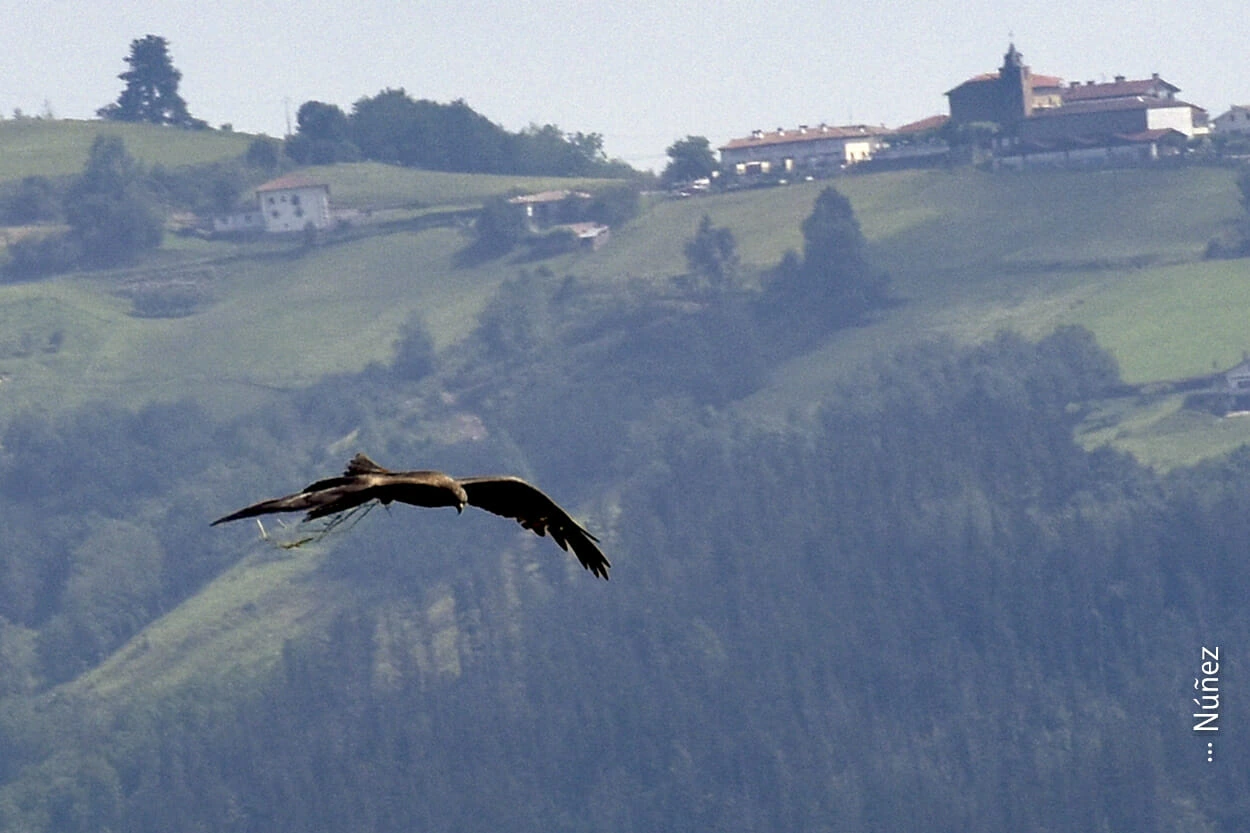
(393, 127)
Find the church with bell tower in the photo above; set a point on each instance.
(1006, 97)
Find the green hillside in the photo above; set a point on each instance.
(42, 147)
(970, 253)
(841, 559)
(372, 185)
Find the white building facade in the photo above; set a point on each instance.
(806, 148)
(294, 202)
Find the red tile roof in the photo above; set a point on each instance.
(781, 136)
(1038, 81)
(931, 123)
(1118, 89)
(982, 78)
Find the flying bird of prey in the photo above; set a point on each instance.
(511, 497)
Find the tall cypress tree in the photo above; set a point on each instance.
(151, 92)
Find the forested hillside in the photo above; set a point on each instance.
(870, 573)
(926, 608)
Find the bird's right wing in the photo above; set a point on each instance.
(514, 498)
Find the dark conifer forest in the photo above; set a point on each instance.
(921, 606)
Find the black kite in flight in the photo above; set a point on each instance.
(511, 497)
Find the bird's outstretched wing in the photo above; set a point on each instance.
(514, 498)
(325, 497)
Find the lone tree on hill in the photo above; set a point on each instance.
(712, 254)
(499, 227)
(835, 257)
(690, 158)
(151, 93)
(833, 279)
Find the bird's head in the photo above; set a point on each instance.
(460, 498)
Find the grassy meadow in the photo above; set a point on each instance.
(43, 147)
(232, 630)
(969, 252)
(374, 185)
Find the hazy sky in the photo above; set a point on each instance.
(641, 73)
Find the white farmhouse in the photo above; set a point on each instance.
(288, 203)
(294, 202)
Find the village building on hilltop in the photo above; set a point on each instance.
(1006, 97)
(819, 149)
(1012, 117)
(1042, 121)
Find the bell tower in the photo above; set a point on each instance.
(1015, 99)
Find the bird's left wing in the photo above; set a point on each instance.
(325, 497)
(317, 502)
(514, 498)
